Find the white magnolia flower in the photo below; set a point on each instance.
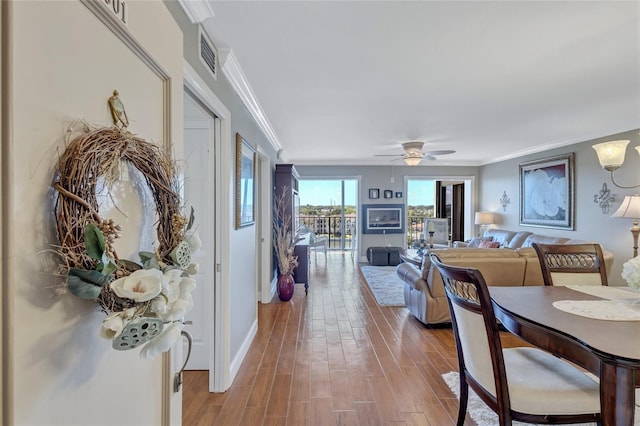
(194, 242)
(631, 272)
(546, 195)
(162, 343)
(159, 305)
(112, 326)
(193, 269)
(141, 286)
(175, 300)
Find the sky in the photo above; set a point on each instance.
(327, 192)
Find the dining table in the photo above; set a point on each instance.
(584, 325)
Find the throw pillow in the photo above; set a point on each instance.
(475, 242)
(489, 244)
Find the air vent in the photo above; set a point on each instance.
(208, 54)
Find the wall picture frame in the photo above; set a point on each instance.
(547, 192)
(388, 193)
(399, 194)
(245, 175)
(383, 218)
(374, 193)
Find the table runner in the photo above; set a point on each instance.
(620, 304)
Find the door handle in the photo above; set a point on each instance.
(177, 379)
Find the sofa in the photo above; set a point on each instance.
(515, 263)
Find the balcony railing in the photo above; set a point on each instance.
(330, 227)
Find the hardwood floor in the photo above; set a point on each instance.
(334, 357)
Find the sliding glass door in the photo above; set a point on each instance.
(329, 208)
(421, 201)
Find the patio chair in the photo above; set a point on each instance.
(525, 384)
(571, 264)
(315, 241)
(354, 237)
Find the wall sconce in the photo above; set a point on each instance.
(504, 200)
(630, 208)
(604, 198)
(611, 156)
(483, 219)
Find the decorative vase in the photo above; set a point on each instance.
(286, 286)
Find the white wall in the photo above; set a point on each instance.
(590, 224)
(65, 63)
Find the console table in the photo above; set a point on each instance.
(301, 272)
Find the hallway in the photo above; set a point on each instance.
(334, 357)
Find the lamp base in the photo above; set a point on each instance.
(635, 230)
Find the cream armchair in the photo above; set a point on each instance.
(315, 242)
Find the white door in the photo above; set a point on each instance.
(199, 187)
(66, 59)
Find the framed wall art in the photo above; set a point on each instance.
(383, 218)
(547, 192)
(374, 193)
(388, 193)
(245, 172)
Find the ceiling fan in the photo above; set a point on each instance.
(413, 154)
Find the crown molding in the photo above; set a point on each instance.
(232, 70)
(197, 10)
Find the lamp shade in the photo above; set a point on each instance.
(611, 154)
(412, 161)
(630, 207)
(484, 218)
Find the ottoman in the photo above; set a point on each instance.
(394, 256)
(378, 256)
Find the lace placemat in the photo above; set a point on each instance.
(600, 309)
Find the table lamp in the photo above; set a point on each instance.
(630, 208)
(483, 219)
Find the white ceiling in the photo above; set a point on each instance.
(341, 81)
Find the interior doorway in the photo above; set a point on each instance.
(450, 204)
(199, 192)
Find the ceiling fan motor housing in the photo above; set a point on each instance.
(413, 149)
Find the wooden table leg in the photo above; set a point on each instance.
(617, 395)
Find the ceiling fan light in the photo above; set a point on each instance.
(412, 161)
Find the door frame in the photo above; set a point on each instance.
(470, 198)
(219, 298)
(265, 287)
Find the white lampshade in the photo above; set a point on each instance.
(412, 161)
(630, 207)
(611, 154)
(484, 218)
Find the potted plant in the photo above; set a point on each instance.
(284, 243)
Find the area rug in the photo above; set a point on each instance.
(385, 285)
(484, 416)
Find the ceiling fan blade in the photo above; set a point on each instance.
(440, 152)
(429, 157)
(387, 155)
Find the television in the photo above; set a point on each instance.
(383, 218)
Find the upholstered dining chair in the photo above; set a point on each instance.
(315, 242)
(525, 384)
(572, 264)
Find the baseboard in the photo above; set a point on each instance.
(242, 352)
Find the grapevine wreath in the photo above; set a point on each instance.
(145, 302)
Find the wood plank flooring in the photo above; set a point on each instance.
(334, 357)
